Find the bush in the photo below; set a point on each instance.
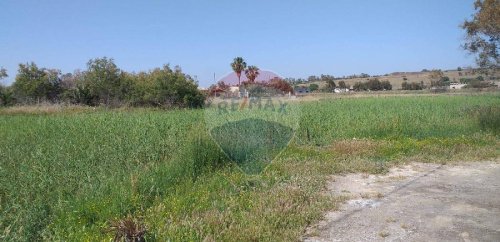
(342, 84)
(386, 85)
(313, 87)
(441, 82)
(372, 85)
(6, 96)
(478, 84)
(281, 85)
(412, 86)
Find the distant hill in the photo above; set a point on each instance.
(397, 78)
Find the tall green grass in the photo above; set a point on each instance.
(66, 176)
(396, 117)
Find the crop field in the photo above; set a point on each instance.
(72, 174)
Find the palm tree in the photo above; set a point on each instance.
(238, 66)
(252, 72)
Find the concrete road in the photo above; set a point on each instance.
(417, 202)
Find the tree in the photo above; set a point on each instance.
(238, 66)
(280, 84)
(386, 85)
(6, 96)
(5, 92)
(483, 33)
(105, 81)
(360, 86)
(313, 79)
(342, 84)
(3, 73)
(37, 84)
(174, 88)
(252, 72)
(313, 87)
(436, 78)
(222, 85)
(330, 83)
(412, 86)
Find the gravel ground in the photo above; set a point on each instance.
(417, 202)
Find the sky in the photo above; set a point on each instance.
(294, 38)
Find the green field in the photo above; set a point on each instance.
(68, 175)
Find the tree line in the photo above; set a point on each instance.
(102, 83)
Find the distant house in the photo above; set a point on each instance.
(217, 92)
(456, 85)
(234, 89)
(301, 90)
(341, 90)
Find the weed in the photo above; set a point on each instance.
(383, 234)
(128, 229)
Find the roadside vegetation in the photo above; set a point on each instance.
(89, 174)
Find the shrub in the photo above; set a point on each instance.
(313, 87)
(6, 96)
(281, 85)
(478, 84)
(412, 86)
(443, 81)
(372, 85)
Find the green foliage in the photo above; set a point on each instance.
(3, 73)
(167, 88)
(6, 96)
(238, 65)
(330, 84)
(489, 118)
(342, 84)
(372, 85)
(438, 80)
(103, 83)
(386, 118)
(103, 79)
(313, 87)
(478, 82)
(483, 33)
(252, 72)
(412, 86)
(252, 143)
(35, 84)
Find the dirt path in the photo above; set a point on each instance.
(417, 202)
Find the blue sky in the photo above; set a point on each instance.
(292, 38)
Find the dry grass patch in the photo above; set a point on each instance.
(356, 147)
(46, 109)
